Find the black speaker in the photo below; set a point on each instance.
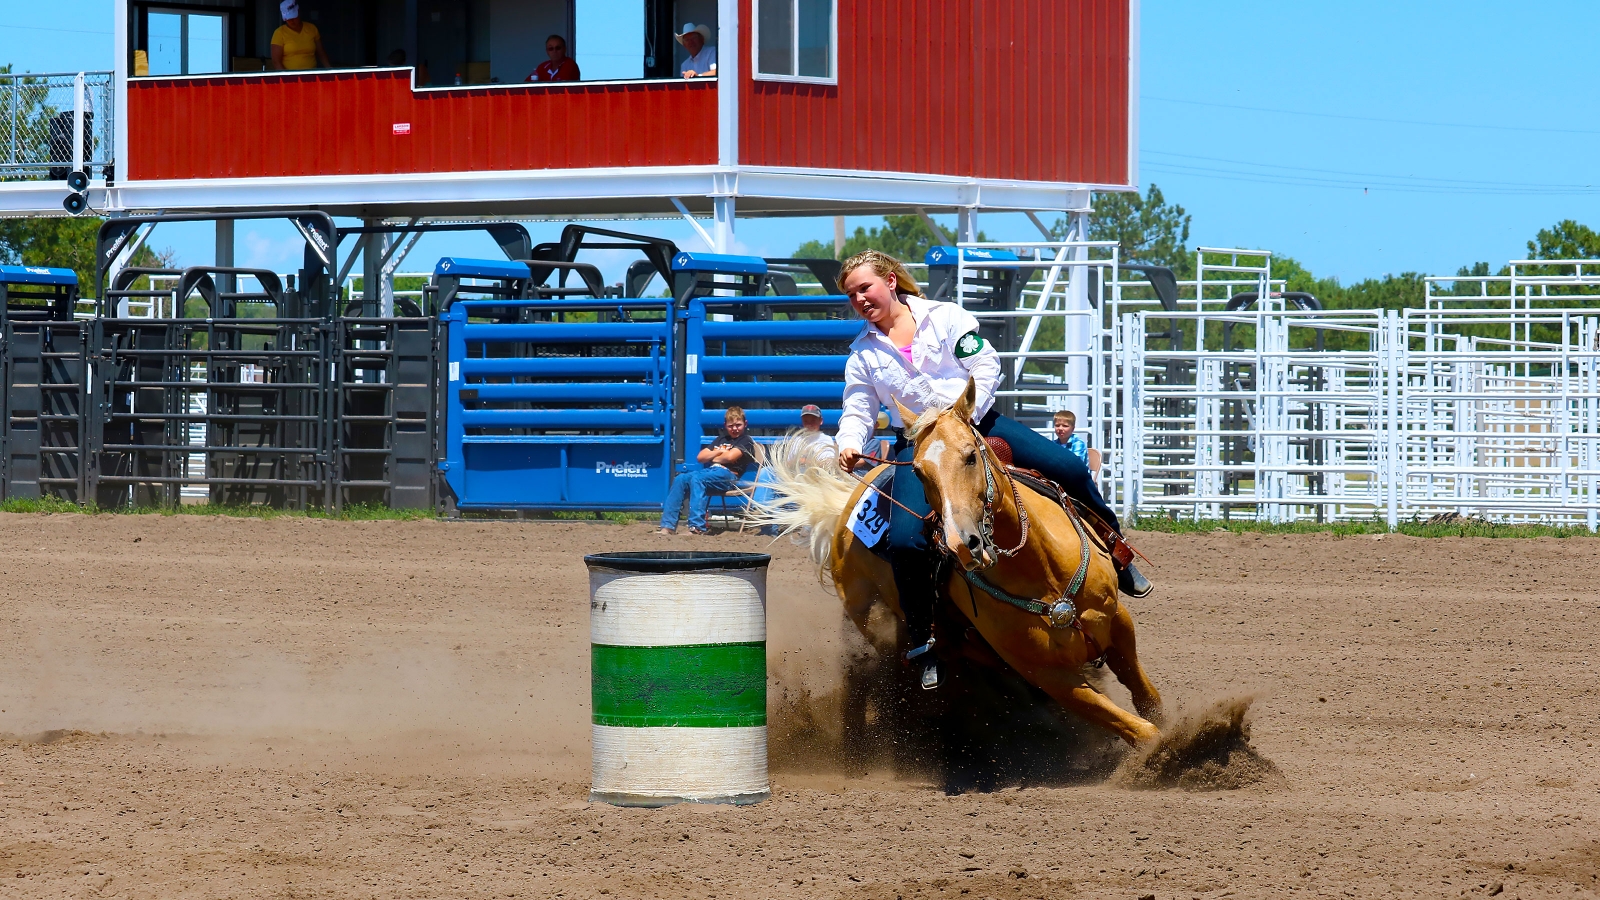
(78, 181)
(75, 203)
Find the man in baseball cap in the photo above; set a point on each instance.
(296, 45)
(702, 59)
(816, 449)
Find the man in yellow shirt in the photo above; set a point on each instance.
(296, 45)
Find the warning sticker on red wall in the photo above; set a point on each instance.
(402, 128)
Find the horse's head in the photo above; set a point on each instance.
(953, 462)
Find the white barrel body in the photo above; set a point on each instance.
(678, 677)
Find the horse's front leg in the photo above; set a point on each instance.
(1071, 690)
(1122, 656)
(1053, 662)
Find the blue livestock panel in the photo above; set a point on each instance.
(770, 355)
(558, 404)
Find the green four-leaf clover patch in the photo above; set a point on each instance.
(969, 345)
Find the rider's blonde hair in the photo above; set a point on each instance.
(883, 265)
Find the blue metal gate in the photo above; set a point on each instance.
(557, 404)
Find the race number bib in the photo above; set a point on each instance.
(870, 518)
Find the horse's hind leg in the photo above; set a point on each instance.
(1123, 658)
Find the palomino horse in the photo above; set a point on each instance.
(976, 503)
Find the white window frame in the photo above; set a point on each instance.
(794, 45)
(183, 51)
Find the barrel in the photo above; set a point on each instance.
(678, 667)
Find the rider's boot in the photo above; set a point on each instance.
(1132, 583)
(917, 586)
(1129, 579)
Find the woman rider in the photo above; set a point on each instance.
(921, 353)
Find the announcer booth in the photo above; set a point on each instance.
(424, 110)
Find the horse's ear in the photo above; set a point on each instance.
(907, 417)
(968, 401)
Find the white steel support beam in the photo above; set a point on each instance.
(121, 56)
(727, 38)
(1077, 327)
(77, 122)
(711, 243)
(722, 232)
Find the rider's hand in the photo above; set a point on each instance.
(848, 458)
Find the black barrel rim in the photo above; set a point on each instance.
(675, 560)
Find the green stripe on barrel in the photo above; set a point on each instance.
(692, 686)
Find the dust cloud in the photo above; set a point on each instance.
(1201, 750)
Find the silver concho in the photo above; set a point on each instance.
(1062, 613)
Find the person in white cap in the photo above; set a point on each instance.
(296, 45)
(702, 59)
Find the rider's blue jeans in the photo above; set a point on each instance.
(910, 552)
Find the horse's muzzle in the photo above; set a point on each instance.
(974, 553)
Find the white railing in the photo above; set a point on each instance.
(1485, 401)
(53, 124)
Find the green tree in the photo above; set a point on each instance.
(63, 242)
(906, 238)
(1567, 239)
(1147, 229)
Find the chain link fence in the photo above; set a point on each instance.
(38, 121)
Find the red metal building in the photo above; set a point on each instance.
(818, 106)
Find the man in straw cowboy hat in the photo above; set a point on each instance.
(702, 59)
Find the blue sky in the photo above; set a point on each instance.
(1359, 137)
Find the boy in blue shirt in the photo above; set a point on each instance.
(1066, 423)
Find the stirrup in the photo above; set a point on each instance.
(930, 676)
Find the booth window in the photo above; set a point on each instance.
(795, 40)
(186, 43)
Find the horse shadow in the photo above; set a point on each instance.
(985, 728)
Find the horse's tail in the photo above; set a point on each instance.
(810, 494)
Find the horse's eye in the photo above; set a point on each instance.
(972, 458)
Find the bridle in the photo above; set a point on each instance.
(986, 525)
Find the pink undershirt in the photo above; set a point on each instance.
(906, 352)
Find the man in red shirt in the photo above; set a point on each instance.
(560, 66)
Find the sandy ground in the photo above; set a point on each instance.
(211, 707)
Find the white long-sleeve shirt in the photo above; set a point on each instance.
(877, 372)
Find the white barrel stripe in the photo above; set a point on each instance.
(673, 609)
(696, 764)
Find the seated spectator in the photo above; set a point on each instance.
(725, 460)
(560, 66)
(296, 45)
(1066, 424)
(702, 59)
(819, 450)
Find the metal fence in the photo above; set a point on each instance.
(1484, 401)
(53, 124)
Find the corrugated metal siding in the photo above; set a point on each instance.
(342, 123)
(1029, 90)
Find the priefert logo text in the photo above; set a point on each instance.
(622, 469)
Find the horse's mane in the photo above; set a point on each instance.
(925, 421)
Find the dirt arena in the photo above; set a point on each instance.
(216, 707)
